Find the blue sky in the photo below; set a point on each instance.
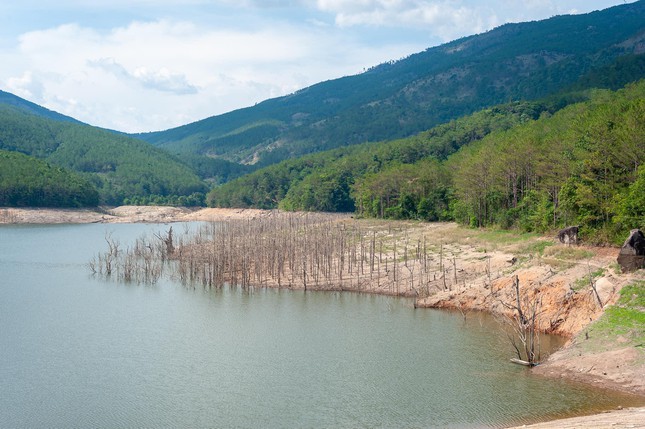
(145, 65)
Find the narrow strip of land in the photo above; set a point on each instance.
(627, 418)
(124, 214)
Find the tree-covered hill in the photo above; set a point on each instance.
(531, 165)
(119, 167)
(323, 181)
(584, 166)
(32, 108)
(523, 61)
(29, 182)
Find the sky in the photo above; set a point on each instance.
(148, 65)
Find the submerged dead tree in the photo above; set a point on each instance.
(141, 263)
(524, 324)
(303, 251)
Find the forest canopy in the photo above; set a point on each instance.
(536, 166)
(118, 166)
(28, 182)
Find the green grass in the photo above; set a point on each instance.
(625, 319)
(633, 296)
(568, 253)
(498, 236)
(584, 281)
(538, 247)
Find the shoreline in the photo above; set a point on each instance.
(475, 294)
(620, 418)
(125, 214)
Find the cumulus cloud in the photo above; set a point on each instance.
(26, 86)
(153, 75)
(144, 65)
(446, 19)
(161, 80)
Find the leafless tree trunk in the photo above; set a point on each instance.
(524, 323)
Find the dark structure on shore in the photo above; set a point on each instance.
(632, 254)
(568, 235)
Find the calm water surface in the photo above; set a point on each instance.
(76, 351)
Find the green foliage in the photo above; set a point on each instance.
(580, 166)
(214, 170)
(404, 191)
(626, 318)
(397, 99)
(117, 166)
(630, 210)
(521, 165)
(615, 75)
(28, 182)
(197, 199)
(334, 172)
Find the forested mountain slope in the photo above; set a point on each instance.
(29, 182)
(529, 165)
(23, 105)
(323, 181)
(119, 167)
(523, 61)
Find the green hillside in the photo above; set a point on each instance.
(29, 182)
(32, 108)
(532, 165)
(529, 71)
(322, 181)
(524, 61)
(119, 167)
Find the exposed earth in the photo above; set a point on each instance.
(124, 214)
(617, 419)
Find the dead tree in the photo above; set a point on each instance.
(524, 323)
(167, 241)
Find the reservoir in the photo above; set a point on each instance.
(79, 351)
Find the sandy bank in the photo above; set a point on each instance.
(627, 418)
(124, 214)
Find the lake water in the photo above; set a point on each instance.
(76, 351)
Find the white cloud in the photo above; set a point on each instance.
(445, 19)
(161, 80)
(26, 86)
(143, 65)
(155, 75)
(449, 19)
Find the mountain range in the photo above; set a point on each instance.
(521, 62)
(524, 61)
